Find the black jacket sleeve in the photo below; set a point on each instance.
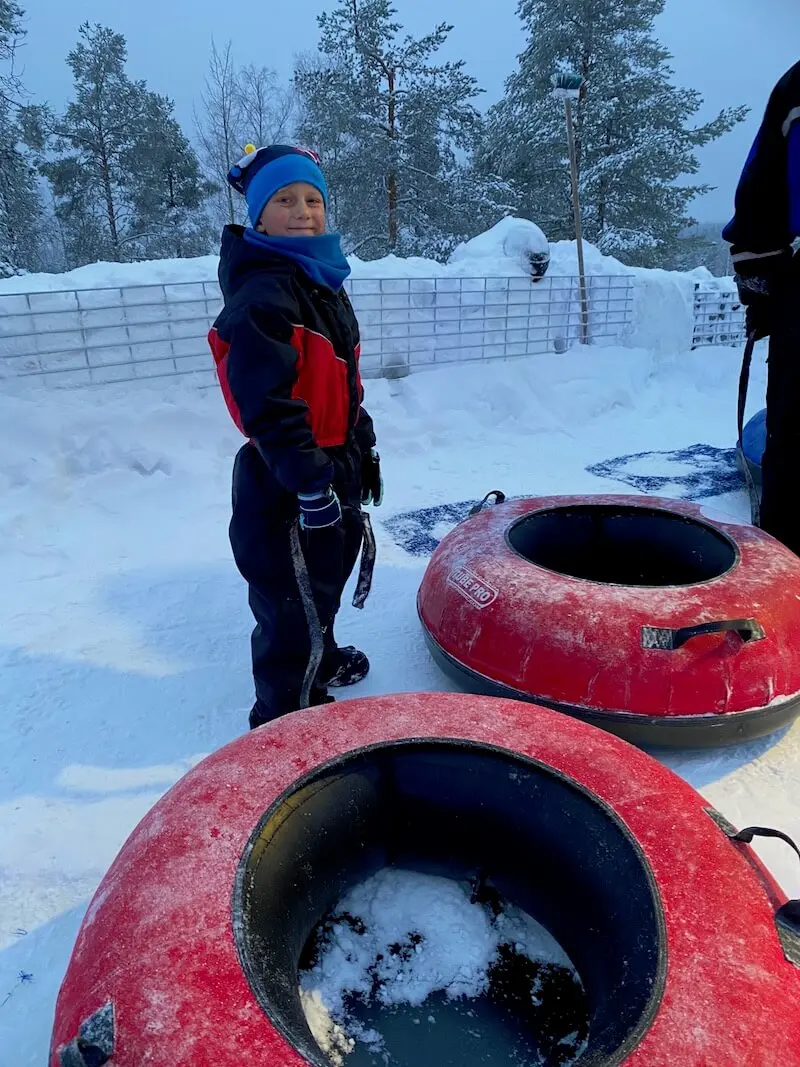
(365, 431)
(261, 372)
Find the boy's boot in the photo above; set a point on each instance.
(342, 666)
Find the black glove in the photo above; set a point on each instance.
(758, 281)
(318, 511)
(755, 295)
(371, 480)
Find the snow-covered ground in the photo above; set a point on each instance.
(125, 652)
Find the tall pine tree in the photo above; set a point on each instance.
(635, 138)
(167, 189)
(93, 143)
(396, 130)
(126, 182)
(20, 202)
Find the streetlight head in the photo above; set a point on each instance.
(567, 86)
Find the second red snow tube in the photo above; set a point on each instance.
(188, 955)
(652, 618)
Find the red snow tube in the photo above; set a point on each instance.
(188, 955)
(648, 617)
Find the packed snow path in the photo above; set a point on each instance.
(125, 625)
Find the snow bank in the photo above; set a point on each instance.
(511, 244)
(116, 275)
(497, 252)
(663, 301)
(663, 312)
(661, 319)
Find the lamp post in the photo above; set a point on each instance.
(567, 87)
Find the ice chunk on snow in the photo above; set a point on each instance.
(330, 1037)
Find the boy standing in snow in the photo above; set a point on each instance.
(286, 346)
(762, 233)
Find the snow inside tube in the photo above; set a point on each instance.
(754, 441)
(641, 615)
(193, 949)
(415, 806)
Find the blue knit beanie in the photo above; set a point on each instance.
(263, 171)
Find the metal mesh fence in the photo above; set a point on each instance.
(411, 323)
(93, 336)
(108, 335)
(718, 317)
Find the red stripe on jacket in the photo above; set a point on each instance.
(322, 384)
(220, 350)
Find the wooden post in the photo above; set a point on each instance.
(576, 207)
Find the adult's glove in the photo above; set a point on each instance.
(319, 511)
(755, 295)
(757, 286)
(371, 480)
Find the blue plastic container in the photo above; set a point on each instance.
(754, 440)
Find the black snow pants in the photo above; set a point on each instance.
(263, 514)
(780, 496)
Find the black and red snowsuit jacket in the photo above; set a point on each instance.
(287, 353)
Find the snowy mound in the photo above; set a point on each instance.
(564, 260)
(113, 275)
(518, 240)
(397, 267)
(509, 249)
(407, 939)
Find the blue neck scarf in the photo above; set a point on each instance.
(321, 258)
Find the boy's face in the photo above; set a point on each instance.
(297, 210)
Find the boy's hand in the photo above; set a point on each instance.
(319, 511)
(371, 480)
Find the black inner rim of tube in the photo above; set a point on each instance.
(616, 544)
(451, 808)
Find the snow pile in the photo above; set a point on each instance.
(53, 447)
(663, 312)
(512, 245)
(709, 282)
(500, 251)
(400, 937)
(564, 260)
(116, 275)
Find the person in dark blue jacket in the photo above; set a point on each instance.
(764, 233)
(286, 347)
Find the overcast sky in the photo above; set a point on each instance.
(732, 51)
